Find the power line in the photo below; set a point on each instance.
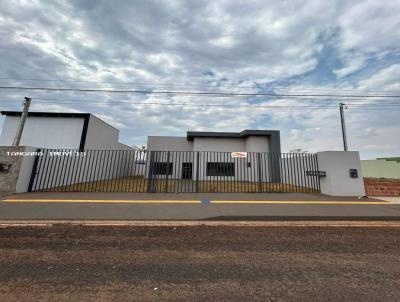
(268, 86)
(348, 101)
(196, 93)
(312, 106)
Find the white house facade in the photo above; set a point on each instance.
(53, 130)
(224, 156)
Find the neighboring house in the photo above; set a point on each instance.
(381, 168)
(254, 166)
(53, 130)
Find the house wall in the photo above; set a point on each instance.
(219, 144)
(168, 143)
(381, 168)
(45, 132)
(224, 147)
(102, 136)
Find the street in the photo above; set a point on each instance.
(199, 263)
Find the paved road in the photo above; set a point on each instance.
(64, 263)
(81, 206)
(189, 211)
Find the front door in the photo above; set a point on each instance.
(186, 170)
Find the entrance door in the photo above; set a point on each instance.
(186, 170)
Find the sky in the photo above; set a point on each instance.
(279, 47)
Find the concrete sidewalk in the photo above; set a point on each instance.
(182, 196)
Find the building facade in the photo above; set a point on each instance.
(242, 156)
(53, 130)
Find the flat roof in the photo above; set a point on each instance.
(245, 133)
(48, 114)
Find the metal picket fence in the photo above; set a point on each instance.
(58, 170)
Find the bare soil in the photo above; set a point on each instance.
(202, 263)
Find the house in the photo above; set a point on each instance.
(53, 130)
(247, 155)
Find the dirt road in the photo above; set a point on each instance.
(75, 263)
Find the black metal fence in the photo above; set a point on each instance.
(173, 171)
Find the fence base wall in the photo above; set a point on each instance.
(337, 165)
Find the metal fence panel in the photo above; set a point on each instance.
(173, 171)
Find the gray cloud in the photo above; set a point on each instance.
(248, 43)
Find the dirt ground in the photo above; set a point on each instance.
(202, 263)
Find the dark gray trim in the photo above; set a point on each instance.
(34, 171)
(48, 114)
(84, 133)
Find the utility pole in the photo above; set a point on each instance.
(21, 125)
(341, 107)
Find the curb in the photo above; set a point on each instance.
(180, 223)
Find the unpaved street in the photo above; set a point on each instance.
(75, 263)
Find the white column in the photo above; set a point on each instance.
(337, 165)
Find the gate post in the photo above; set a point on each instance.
(150, 175)
(197, 171)
(34, 171)
(166, 174)
(259, 172)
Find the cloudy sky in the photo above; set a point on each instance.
(280, 47)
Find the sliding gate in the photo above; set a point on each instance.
(173, 171)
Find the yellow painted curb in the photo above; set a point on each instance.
(199, 202)
(101, 201)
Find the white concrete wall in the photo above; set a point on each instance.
(257, 144)
(171, 143)
(168, 143)
(45, 132)
(380, 168)
(25, 171)
(337, 181)
(102, 136)
(219, 144)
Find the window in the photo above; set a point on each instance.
(220, 169)
(162, 169)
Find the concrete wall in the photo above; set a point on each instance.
(257, 144)
(171, 143)
(168, 143)
(18, 176)
(380, 168)
(45, 132)
(102, 136)
(337, 181)
(219, 144)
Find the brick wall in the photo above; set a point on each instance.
(382, 186)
